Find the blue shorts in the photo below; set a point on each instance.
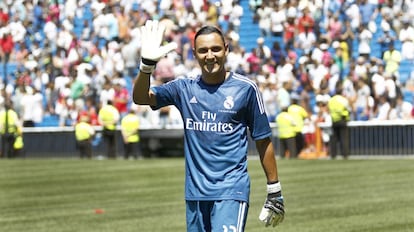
(216, 216)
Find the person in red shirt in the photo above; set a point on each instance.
(6, 48)
(6, 45)
(4, 17)
(121, 97)
(306, 21)
(290, 32)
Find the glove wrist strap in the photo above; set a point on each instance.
(274, 188)
(146, 68)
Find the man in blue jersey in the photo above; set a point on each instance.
(218, 108)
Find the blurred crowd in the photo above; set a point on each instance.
(71, 57)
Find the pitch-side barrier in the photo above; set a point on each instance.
(367, 138)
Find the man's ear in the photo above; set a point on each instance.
(226, 46)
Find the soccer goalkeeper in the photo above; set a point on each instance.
(218, 109)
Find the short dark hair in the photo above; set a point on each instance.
(208, 30)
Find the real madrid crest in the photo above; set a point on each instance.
(228, 103)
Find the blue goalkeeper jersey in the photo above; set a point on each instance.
(216, 121)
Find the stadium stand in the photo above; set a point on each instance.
(60, 39)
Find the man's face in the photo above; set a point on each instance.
(211, 53)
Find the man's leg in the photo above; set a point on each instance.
(229, 215)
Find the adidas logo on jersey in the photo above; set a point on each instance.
(193, 100)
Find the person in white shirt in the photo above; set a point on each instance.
(278, 19)
(365, 37)
(383, 108)
(402, 109)
(406, 36)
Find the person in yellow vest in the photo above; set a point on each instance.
(84, 133)
(9, 122)
(286, 133)
(18, 144)
(339, 109)
(108, 117)
(392, 59)
(130, 135)
(299, 115)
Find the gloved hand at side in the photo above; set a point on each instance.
(273, 211)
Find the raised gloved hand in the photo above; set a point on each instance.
(273, 211)
(152, 34)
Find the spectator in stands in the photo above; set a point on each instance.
(108, 117)
(386, 38)
(6, 48)
(263, 13)
(165, 69)
(361, 105)
(213, 14)
(58, 38)
(278, 19)
(347, 37)
(382, 109)
(121, 96)
(289, 31)
(334, 28)
(38, 15)
(402, 109)
(51, 96)
(391, 88)
(367, 11)
(352, 15)
(406, 36)
(76, 87)
(27, 106)
(378, 81)
(235, 16)
(262, 50)
(106, 94)
(306, 39)
(277, 53)
(340, 58)
(123, 23)
(130, 53)
(253, 61)
(269, 92)
(283, 94)
(361, 68)
(392, 59)
(306, 21)
(364, 38)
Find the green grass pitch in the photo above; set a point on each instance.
(59, 195)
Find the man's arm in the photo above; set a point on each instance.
(151, 52)
(268, 160)
(273, 211)
(142, 95)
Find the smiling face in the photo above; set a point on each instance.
(211, 51)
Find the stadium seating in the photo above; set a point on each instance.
(49, 121)
(11, 69)
(405, 69)
(249, 31)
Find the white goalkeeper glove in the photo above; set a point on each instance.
(273, 211)
(152, 34)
